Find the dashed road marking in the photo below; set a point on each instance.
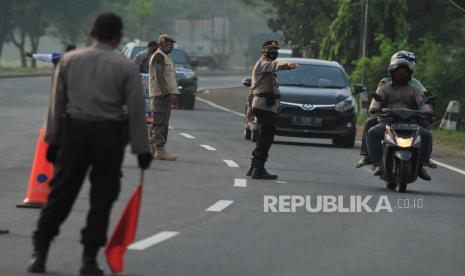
(282, 182)
(153, 240)
(207, 147)
(219, 206)
(188, 136)
(170, 127)
(231, 163)
(240, 182)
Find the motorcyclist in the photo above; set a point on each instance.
(373, 121)
(398, 93)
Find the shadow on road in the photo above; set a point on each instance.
(311, 144)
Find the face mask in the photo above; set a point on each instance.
(272, 55)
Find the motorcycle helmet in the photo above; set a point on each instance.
(398, 62)
(406, 55)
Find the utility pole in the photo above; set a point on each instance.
(364, 96)
(364, 39)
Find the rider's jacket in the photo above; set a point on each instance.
(398, 96)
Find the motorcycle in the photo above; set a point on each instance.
(401, 145)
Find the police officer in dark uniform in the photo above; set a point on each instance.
(264, 100)
(87, 131)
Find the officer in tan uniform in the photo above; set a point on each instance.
(264, 100)
(163, 91)
(87, 130)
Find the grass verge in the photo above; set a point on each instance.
(455, 139)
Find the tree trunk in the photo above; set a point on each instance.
(35, 47)
(20, 45)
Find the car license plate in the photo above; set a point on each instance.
(307, 121)
(405, 126)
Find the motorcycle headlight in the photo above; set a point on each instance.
(345, 105)
(404, 142)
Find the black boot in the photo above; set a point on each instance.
(249, 172)
(431, 164)
(259, 171)
(39, 256)
(423, 174)
(90, 266)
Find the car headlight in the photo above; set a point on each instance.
(404, 142)
(345, 105)
(186, 75)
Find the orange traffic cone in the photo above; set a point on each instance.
(41, 174)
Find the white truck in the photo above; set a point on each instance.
(206, 40)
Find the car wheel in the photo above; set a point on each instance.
(188, 102)
(347, 141)
(247, 133)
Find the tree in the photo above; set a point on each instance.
(18, 27)
(71, 20)
(5, 23)
(438, 20)
(303, 23)
(38, 13)
(342, 42)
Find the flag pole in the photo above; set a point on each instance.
(141, 177)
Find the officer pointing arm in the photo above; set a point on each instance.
(263, 103)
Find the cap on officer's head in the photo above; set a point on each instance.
(270, 44)
(166, 37)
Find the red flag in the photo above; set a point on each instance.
(124, 233)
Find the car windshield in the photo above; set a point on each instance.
(137, 50)
(177, 55)
(313, 76)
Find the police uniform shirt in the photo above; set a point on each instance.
(94, 84)
(264, 81)
(162, 75)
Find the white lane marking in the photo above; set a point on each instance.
(240, 182)
(220, 107)
(207, 147)
(170, 127)
(219, 206)
(449, 167)
(282, 182)
(457, 170)
(151, 241)
(231, 163)
(188, 136)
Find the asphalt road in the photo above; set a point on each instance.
(206, 222)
